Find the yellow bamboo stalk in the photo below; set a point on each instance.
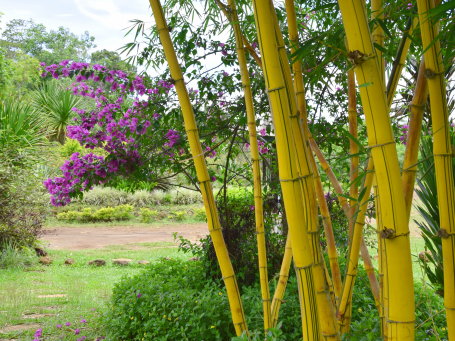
(381, 142)
(221, 251)
(442, 152)
(416, 110)
(377, 12)
(258, 205)
(298, 209)
(345, 321)
(302, 110)
(282, 281)
(344, 313)
(353, 147)
(383, 282)
(326, 308)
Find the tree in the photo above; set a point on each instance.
(47, 46)
(111, 60)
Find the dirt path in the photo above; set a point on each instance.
(79, 238)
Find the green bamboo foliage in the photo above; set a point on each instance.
(258, 207)
(442, 152)
(227, 271)
(400, 315)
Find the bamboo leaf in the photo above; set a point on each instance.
(365, 84)
(384, 27)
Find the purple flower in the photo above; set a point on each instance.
(262, 132)
(58, 326)
(212, 179)
(77, 331)
(38, 333)
(252, 208)
(83, 321)
(67, 324)
(138, 295)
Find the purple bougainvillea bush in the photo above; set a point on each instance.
(132, 128)
(123, 109)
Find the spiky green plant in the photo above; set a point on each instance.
(428, 209)
(56, 103)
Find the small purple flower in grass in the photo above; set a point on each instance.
(38, 333)
(138, 295)
(67, 324)
(83, 321)
(252, 208)
(82, 338)
(58, 326)
(212, 178)
(77, 331)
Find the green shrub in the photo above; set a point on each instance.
(146, 215)
(103, 214)
(123, 212)
(236, 214)
(106, 196)
(69, 216)
(23, 205)
(178, 215)
(12, 256)
(87, 214)
(169, 301)
(143, 198)
(185, 197)
(200, 215)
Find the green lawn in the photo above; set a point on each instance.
(83, 290)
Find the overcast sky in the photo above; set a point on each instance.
(103, 19)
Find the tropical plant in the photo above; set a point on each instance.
(432, 258)
(22, 130)
(53, 102)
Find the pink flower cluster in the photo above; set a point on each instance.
(109, 126)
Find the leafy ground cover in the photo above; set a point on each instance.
(47, 297)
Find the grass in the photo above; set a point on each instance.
(86, 290)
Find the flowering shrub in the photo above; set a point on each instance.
(136, 124)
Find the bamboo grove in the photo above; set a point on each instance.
(325, 293)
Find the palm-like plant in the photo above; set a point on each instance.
(428, 209)
(55, 102)
(22, 130)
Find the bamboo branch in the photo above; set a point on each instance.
(213, 221)
(443, 153)
(258, 204)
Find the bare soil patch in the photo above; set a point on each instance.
(18, 327)
(80, 238)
